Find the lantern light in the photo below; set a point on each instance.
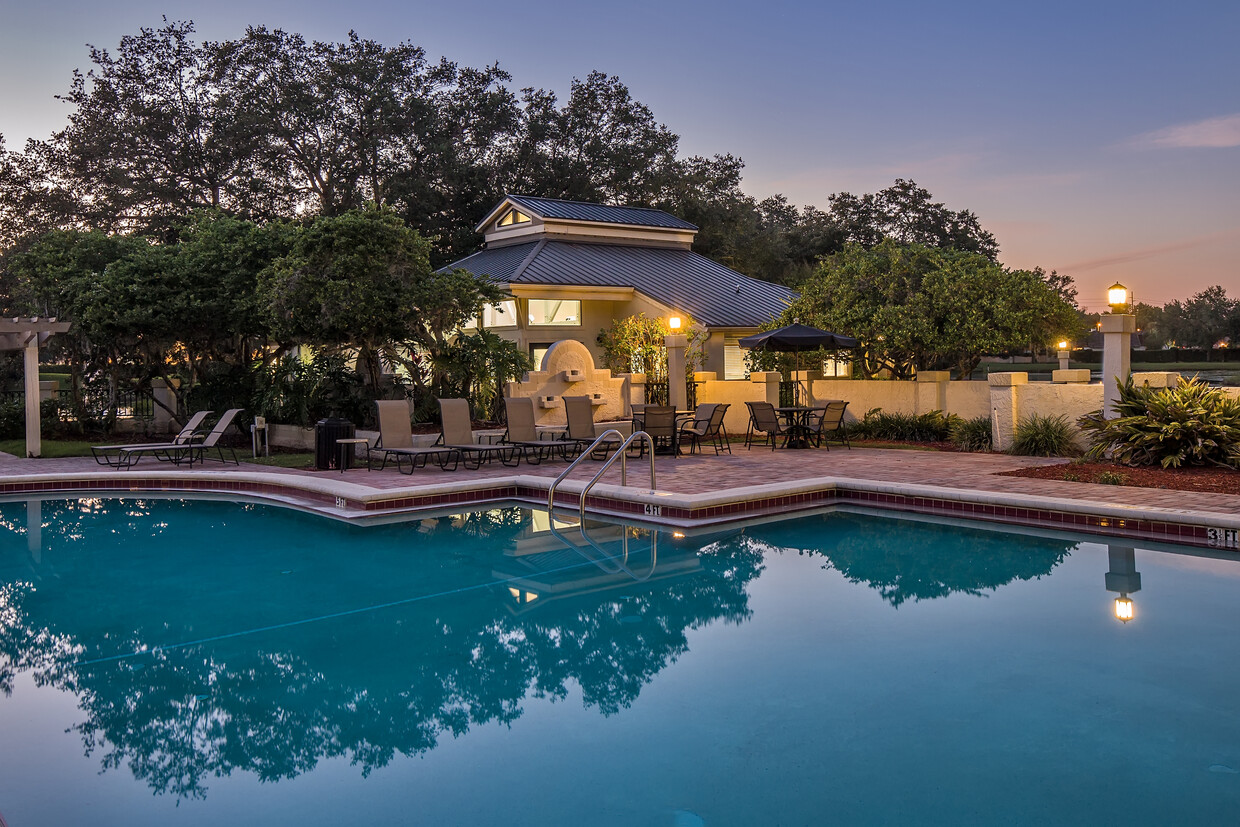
(1063, 345)
(674, 323)
(1123, 608)
(1117, 297)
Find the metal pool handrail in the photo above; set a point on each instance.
(625, 442)
(621, 453)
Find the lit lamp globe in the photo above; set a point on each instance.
(1123, 608)
(1063, 345)
(1117, 297)
(674, 323)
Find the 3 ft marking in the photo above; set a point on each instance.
(1223, 538)
(654, 510)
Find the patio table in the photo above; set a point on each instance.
(797, 417)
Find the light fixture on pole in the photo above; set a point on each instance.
(1123, 578)
(674, 323)
(1117, 297)
(1064, 355)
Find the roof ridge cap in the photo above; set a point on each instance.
(525, 262)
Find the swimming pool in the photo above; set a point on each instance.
(195, 662)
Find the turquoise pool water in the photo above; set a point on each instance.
(177, 662)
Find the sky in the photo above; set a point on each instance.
(1098, 139)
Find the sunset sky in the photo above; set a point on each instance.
(1099, 139)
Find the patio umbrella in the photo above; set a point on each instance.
(795, 338)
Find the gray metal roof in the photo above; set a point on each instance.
(582, 211)
(712, 294)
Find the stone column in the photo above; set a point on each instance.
(34, 434)
(1004, 407)
(770, 380)
(1117, 330)
(677, 388)
(939, 378)
(164, 394)
(1064, 359)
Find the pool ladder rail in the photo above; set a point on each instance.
(621, 454)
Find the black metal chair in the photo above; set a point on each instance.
(764, 420)
(828, 421)
(659, 421)
(711, 429)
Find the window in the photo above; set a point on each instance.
(734, 359)
(841, 368)
(554, 312)
(513, 217)
(503, 314)
(537, 352)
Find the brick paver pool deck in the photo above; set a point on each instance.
(710, 487)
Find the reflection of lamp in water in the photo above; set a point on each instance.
(1123, 578)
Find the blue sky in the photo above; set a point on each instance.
(1100, 139)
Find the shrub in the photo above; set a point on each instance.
(1192, 424)
(1044, 436)
(934, 426)
(12, 419)
(973, 434)
(1111, 478)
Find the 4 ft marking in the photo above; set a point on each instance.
(654, 510)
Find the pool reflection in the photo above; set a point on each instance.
(240, 642)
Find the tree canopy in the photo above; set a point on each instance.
(922, 308)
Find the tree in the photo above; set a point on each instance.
(922, 308)
(1204, 320)
(362, 282)
(905, 212)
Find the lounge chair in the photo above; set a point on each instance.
(523, 432)
(580, 415)
(178, 452)
(396, 441)
(829, 420)
(707, 424)
(458, 434)
(110, 454)
(763, 420)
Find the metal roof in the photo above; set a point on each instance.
(583, 211)
(712, 294)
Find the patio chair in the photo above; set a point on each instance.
(458, 434)
(763, 420)
(829, 421)
(396, 441)
(178, 452)
(110, 454)
(696, 428)
(659, 422)
(712, 429)
(523, 431)
(581, 426)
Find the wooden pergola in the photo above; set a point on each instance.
(27, 334)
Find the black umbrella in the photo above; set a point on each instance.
(795, 338)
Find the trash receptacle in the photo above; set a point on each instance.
(327, 454)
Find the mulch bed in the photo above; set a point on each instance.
(1212, 479)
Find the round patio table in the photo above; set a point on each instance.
(797, 417)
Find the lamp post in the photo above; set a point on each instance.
(1123, 578)
(676, 343)
(1117, 329)
(1064, 355)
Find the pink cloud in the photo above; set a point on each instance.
(1214, 133)
(1147, 252)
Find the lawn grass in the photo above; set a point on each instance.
(282, 460)
(52, 448)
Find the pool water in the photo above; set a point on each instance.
(200, 662)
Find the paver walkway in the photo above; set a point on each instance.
(710, 473)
